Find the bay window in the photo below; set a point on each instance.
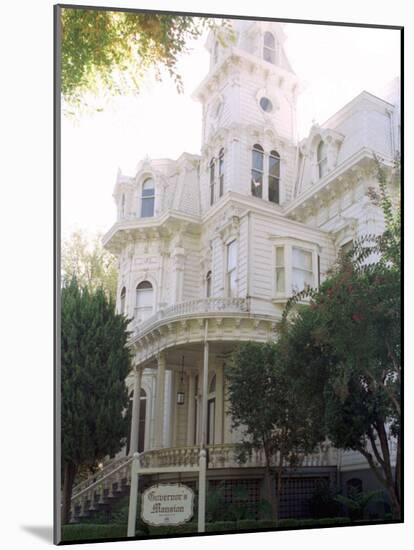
(296, 266)
(302, 269)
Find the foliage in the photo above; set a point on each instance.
(95, 363)
(323, 502)
(87, 260)
(109, 52)
(344, 347)
(264, 404)
(358, 501)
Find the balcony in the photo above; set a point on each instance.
(192, 308)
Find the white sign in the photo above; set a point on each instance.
(167, 504)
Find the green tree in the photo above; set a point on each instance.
(95, 363)
(109, 52)
(344, 346)
(273, 418)
(87, 260)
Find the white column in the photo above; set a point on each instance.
(166, 430)
(134, 436)
(133, 496)
(202, 492)
(204, 395)
(191, 409)
(218, 422)
(159, 402)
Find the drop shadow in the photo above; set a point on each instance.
(43, 532)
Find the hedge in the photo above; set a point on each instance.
(84, 531)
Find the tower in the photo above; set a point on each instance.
(249, 114)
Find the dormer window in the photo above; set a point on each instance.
(147, 198)
(269, 48)
(322, 159)
(257, 171)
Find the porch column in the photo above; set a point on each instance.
(204, 395)
(134, 436)
(219, 412)
(159, 402)
(191, 409)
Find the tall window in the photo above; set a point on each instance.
(302, 270)
(212, 176)
(231, 268)
(257, 171)
(269, 48)
(208, 284)
(147, 199)
(123, 299)
(274, 176)
(322, 159)
(280, 270)
(221, 172)
(144, 300)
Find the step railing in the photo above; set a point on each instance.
(111, 480)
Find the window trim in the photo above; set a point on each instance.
(266, 156)
(221, 172)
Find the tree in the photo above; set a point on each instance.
(344, 346)
(95, 363)
(273, 417)
(89, 262)
(110, 51)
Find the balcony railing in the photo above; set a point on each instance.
(193, 307)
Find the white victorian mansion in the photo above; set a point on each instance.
(210, 248)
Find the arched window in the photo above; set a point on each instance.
(147, 198)
(144, 300)
(123, 299)
(269, 48)
(208, 284)
(274, 176)
(123, 206)
(257, 171)
(221, 172)
(212, 176)
(322, 159)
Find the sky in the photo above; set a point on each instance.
(334, 64)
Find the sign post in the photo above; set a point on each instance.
(178, 507)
